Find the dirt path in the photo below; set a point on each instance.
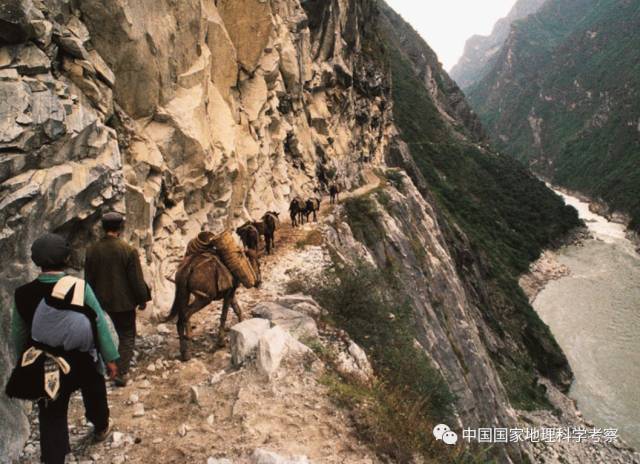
(174, 412)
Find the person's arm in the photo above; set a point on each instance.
(105, 343)
(136, 279)
(19, 332)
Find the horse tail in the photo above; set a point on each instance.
(181, 298)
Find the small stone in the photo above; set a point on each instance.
(182, 430)
(138, 410)
(216, 377)
(195, 395)
(133, 398)
(120, 459)
(218, 461)
(151, 367)
(95, 457)
(116, 439)
(155, 441)
(210, 420)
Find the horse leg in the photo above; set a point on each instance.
(184, 342)
(223, 320)
(236, 308)
(184, 327)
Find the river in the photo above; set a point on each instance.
(594, 315)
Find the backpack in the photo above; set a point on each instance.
(61, 335)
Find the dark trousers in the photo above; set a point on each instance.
(125, 325)
(54, 428)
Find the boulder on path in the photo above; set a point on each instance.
(297, 324)
(302, 303)
(274, 345)
(244, 338)
(261, 456)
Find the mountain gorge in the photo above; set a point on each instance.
(204, 114)
(482, 52)
(562, 97)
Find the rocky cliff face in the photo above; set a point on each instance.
(200, 114)
(561, 97)
(188, 115)
(481, 52)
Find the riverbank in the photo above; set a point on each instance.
(547, 267)
(601, 208)
(587, 294)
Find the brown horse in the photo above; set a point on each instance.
(312, 206)
(296, 209)
(205, 276)
(270, 224)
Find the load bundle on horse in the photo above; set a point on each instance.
(212, 269)
(235, 259)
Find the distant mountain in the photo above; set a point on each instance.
(563, 97)
(481, 52)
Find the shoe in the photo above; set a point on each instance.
(102, 435)
(121, 381)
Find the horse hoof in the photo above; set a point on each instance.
(185, 357)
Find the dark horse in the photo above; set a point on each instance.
(334, 192)
(205, 276)
(267, 228)
(250, 235)
(312, 206)
(296, 209)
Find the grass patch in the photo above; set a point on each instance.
(395, 178)
(396, 414)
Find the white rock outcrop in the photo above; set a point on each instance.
(244, 338)
(297, 324)
(274, 346)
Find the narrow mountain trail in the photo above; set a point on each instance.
(175, 412)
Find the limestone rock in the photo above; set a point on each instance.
(249, 24)
(261, 456)
(244, 338)
(15, 26)
(297, 324)
(219, 461)
(224, 61)
(355, 363)
(274, 345)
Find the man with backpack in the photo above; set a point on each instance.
(112, 268)
(61, 336)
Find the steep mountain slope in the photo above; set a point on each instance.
(498, 222)
(481, 52)
(199, 115)
(563, 97)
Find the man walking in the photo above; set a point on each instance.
(58, 317)
(112, 268)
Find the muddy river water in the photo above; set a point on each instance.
(595, 316)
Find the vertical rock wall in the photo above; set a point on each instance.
(183, 115)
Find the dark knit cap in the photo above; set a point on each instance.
(50, 251)
(112, 220)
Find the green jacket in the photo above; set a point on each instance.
(105, 344)
(112, 268)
